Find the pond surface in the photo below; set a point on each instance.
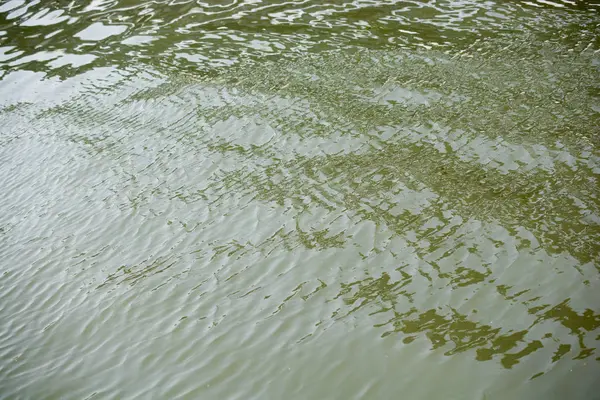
(299, 200)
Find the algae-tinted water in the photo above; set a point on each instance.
(299, 200)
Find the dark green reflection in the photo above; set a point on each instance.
(67, 38)
(458, 332)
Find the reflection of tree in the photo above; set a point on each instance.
(171, 27)
(551, 204)
(367, 183)
(458, 330)
(371, 289)
(578, 324)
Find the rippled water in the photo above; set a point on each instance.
(302, 200)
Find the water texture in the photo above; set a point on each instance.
(299, 200)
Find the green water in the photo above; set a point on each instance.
(299, 200)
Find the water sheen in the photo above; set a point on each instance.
(299, 200)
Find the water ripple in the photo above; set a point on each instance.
(243, 199)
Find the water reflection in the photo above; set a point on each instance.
(452, 167)
(455, 332)
(203, 35)
(222, 191)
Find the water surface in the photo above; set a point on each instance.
(303, 200)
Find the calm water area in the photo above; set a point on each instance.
(343, 199)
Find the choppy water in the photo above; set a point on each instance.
(302, 200)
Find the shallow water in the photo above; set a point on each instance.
(367, 199)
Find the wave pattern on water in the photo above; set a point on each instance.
(67, 38)
(334, 222)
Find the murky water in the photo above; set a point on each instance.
(299, 200)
